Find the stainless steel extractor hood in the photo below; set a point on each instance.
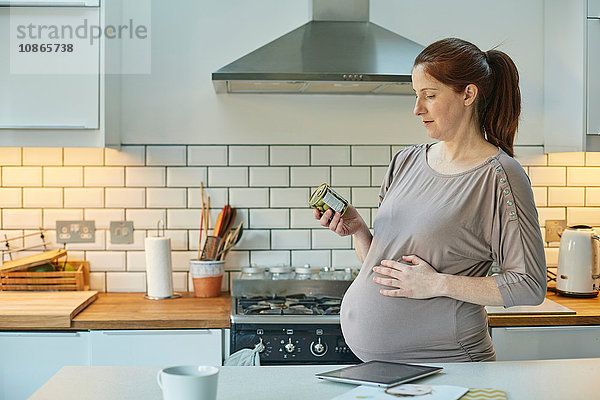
(338, 52)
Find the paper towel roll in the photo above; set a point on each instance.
(159, 272)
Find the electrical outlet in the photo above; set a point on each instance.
(75, 231)
(554, 229)
(121, 232)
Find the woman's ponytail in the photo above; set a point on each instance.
(500, 116)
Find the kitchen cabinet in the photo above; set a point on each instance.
(156, 347)
(546, 342)
(571, 81)
(54, 88)
(29, 359)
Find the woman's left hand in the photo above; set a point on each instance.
(417, 281)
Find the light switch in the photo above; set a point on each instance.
(554, 229)
(121, 232)
(75, 231)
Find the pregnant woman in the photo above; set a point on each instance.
(447, 210)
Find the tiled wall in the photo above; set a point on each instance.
(269, 185)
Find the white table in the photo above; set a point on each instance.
(521, 380)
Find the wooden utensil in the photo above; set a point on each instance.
(201, 221)
(33, 260)
(211, 248)
(232, 240)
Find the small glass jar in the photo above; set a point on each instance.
(326, 274)
(281, 272)
(304, 272)
(253, 272)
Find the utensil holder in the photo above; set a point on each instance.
(207, 277)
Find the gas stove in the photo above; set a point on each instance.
(297, 322)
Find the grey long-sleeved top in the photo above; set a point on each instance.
(459, 224)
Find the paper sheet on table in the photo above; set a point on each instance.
(439, 392)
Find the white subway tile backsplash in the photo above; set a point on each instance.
(98, 281)
(42, 156)
(309, 176)
(592, 196)
(570, 159)
(269, 218)
(237, 259)
(10, 197)
(145, 218)
(136, 261)
(227, 176)
(592, 159)
(345, 259)
(103, 216)
(166, 155)
(540, 195)
(21, 176)
(80, 197)
(583, 216)
(248, 155)
(10, 156)
(314, 258)
(365, 197)
(365, 213)
(166, 197)
(290, 239)
(292, 197)
(547, 176)
(106, 261)
(138, 241)
(545, 213)
(330, 155)
(377, 175)
(21, 218)
(269, 258)
(551, 256)
(181, 259)
(218, 197)
(326, 239)
(583, 176)
(179, 239)
(254, 239)
(183, 219)
(207, 155)
(350, 176)
(242, 198)
(303, 218)
(186, 176)
(83, 156)
(566, 196)
(103, 176)
(180, 282)
(269, 176)
(53, 215)
(63, 176)
(129, 198)
(127, 155)
(370, 155)
(42, 197)
(144, 176)
(290, 155)
(126, 281)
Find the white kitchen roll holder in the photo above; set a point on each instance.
(159, 270)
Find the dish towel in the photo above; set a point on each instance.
(481, 394)
(245, 357)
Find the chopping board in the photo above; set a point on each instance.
(42, 309)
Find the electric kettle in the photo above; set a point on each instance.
(578, 272)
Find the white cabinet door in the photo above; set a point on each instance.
(29, 359)
(593, 77)
(156, 347)
(546, 342)
(56, 86)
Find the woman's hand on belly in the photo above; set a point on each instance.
(417, 281)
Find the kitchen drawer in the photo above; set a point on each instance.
(48, 89)
(29, 359)
(156, 347)
(546, 342)
(50, 3)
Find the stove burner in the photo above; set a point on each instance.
(297, 304)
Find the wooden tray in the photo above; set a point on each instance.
(48, 281)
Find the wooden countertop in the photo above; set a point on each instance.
(587, 313)
(132, 311)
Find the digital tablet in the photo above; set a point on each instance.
(379, 373)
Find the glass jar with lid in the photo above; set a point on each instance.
(253, 272)
(326, 273)
(305, 272)
(281, 272)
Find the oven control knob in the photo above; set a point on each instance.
(290, 347)
(318, 349)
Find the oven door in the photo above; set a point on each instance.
(293, 343)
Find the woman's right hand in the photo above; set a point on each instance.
(350, 224)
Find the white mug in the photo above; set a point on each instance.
(185, 382)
